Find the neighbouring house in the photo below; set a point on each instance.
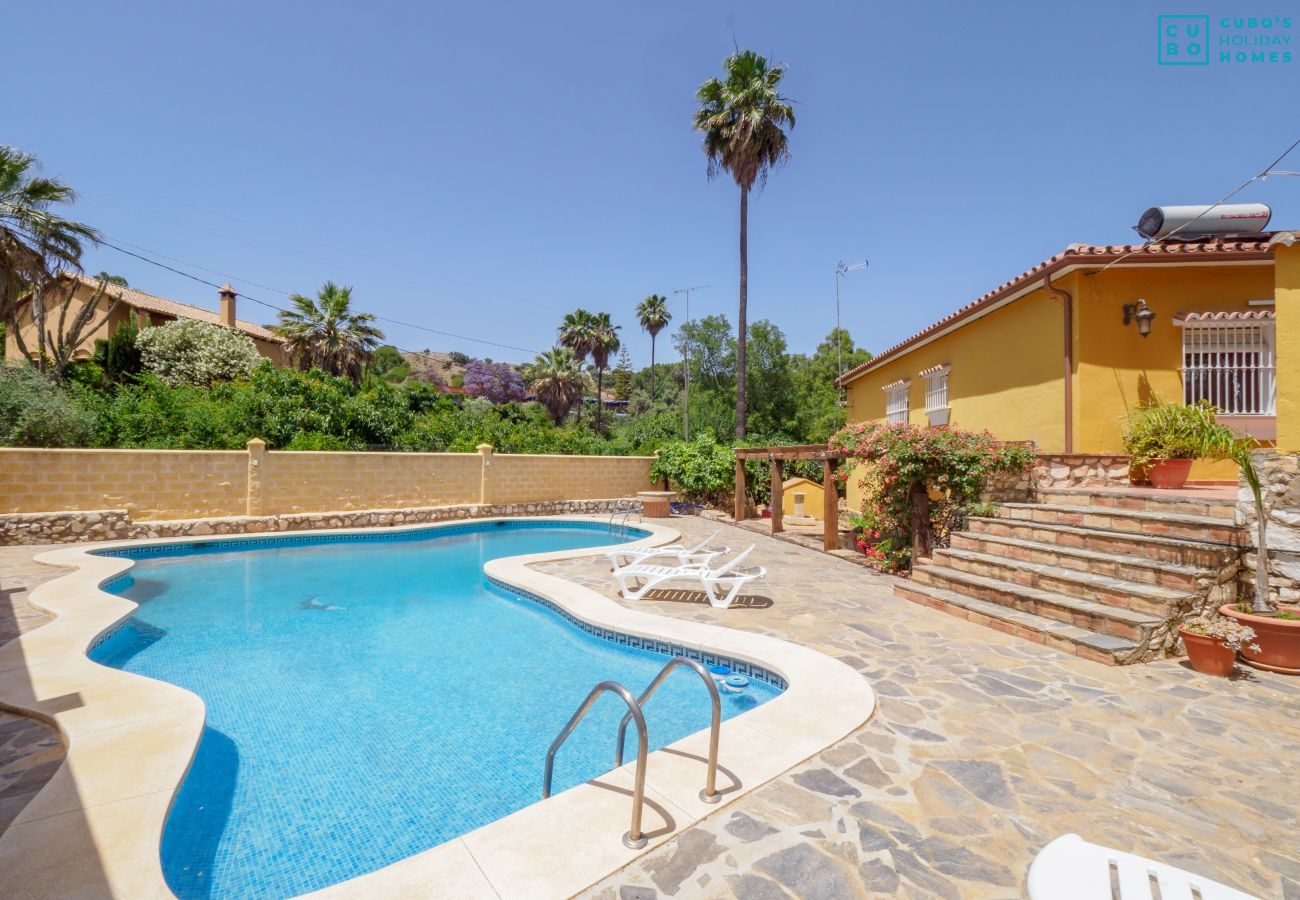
(147, 310)
(1058, 354)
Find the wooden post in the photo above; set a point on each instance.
(740, 489)
(830, 507)
(778, 495)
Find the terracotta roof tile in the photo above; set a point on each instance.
(1256, 245)
(161, 305)
(1250, 315)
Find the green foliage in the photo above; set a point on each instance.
(119, 356)
(187, 351)
(702, 470)
(1173, 431)
(389, 364)
(36, 411)
(949, 463)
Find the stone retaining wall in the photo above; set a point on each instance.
(1057, 470)
(117, 524)
(1279, 475)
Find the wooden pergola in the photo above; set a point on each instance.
(777, 456)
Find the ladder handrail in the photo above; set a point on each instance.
(634, 838)
(710, 793)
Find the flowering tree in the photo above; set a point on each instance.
(187, 351)
(909, 464)
(497, 382)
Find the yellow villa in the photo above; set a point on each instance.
(146, 309)
(1058, 354)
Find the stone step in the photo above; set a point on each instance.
(1128, 566)
(1141, 499)
(1101, 618)
(1207, 529)
(1179, 551)
(1068, 638)
(1148, 599)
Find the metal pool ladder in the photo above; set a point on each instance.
(634, 839)
(710, 793)
(623, 510)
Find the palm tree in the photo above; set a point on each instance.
(576, 333)
(744, 120)
(326, 334)
(653, 314)
(604, 344)
(556, 380)
(35, 243)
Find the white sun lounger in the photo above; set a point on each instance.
(697, 554)
(1070, 868)
(721, 585)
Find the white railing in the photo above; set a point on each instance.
(1231, 365)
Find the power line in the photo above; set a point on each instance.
(193, 277)
(1263, 174)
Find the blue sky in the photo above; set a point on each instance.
(482, 168)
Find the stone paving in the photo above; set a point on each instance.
(30, 751)
(983, 748)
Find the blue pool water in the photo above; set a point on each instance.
(370, 698)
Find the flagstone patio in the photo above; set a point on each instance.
(983, 748)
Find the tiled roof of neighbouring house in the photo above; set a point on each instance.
(161, 305)
(1254, 247)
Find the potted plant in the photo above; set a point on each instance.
(1213, 642)
(1164, 439)
(1277, 628)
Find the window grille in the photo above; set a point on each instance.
(896, 402)
(936, 388)
(1232, 365)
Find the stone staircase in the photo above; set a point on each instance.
(1103, 574)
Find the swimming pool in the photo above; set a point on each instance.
(369, 697)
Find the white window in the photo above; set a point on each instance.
(1231, 363)
(936, 388)
(896, 402)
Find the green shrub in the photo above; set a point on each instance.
(187, 351)
(702, 470)
(36, 411)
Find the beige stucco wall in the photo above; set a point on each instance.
(151, 484)
(523, 478)
(175, 484)
(320, 482)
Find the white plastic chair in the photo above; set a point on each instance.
(696, 554)
(1070, 868)
(721, 585)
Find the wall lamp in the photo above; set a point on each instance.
(1142, 314)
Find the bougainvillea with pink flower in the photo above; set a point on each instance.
(907, 461)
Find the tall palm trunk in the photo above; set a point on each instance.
(742, 317)
(600, 396)
(652, 368)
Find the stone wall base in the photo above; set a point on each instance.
(1279, 477)
(1057, 470)
(117, 525)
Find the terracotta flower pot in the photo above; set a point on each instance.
(1170, 474)
(1278, 639)
(1208, 655)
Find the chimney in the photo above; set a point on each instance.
(227, 305)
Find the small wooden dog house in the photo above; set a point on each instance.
(813, 499)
